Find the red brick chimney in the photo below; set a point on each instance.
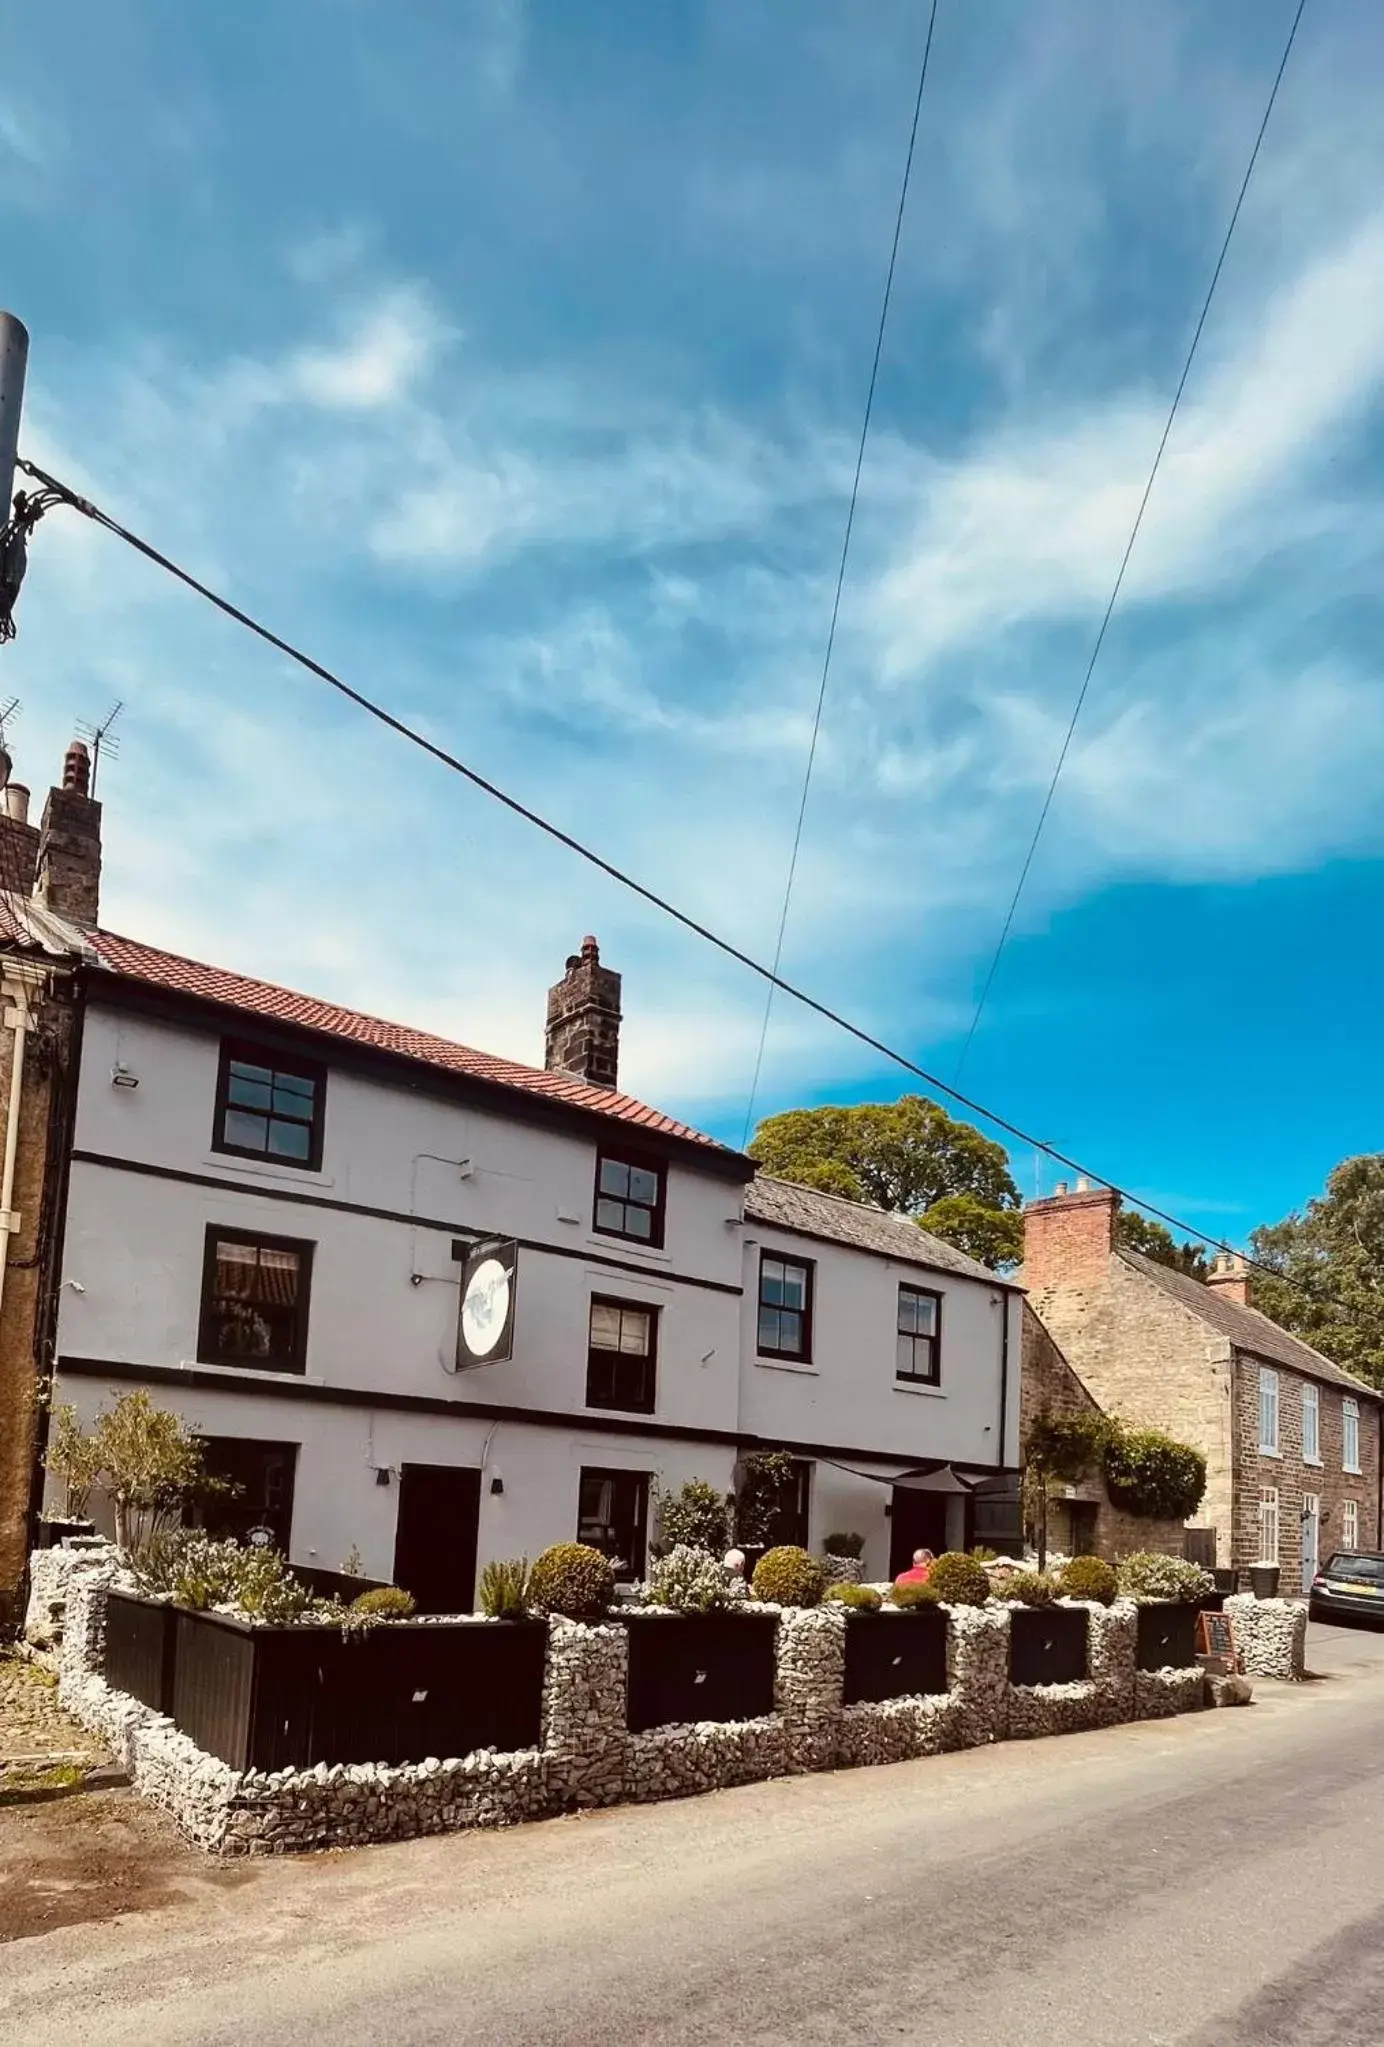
(1068, 1238)
(1229, 1277)
(69, 847)
(583, 1033)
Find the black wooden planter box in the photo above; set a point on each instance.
(1047, 1645)
(1167, 1637)
(139, 1649)
(335, 1584)
(699, 1666)
(287, 1698)
(895, 1656)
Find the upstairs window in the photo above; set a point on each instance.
(918, 1352)
(254, 1301)
(785, 1308)
(1311, 1424)
(1350, 1435)
(620, 1356)
(1268, 1410)
(629, 1197)
(269, 1106)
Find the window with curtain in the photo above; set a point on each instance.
(917, 1354)
(620, 1355)
(254, 1301)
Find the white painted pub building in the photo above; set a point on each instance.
(272, 1205)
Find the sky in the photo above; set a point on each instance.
(511, 357)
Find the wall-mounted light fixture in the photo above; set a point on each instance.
(121, 1076)
(497, 1484)
(382, 1474)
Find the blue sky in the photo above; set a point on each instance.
(511, 357)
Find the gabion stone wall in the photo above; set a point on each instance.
(1270, 1634)
(51, 1573)
(587, 1757)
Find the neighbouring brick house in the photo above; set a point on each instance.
(1082, 1518)
(1291, 1441)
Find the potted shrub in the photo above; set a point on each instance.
(1263, 1580)
(75, 1458)
(842, 1555)
(696, 1516)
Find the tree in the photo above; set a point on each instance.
(1327, 1278)
(151, 1464)
(1140, 1233)
(73, 1457)
(909, 1156)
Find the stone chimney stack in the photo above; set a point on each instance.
(18, 840)
(583, 1033)
(1068, 1238)
(1229, 1276)
(69, 847)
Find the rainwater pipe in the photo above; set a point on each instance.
(18, 1020)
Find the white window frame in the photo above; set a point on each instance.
(1350, 1524)
(1268, 1522)
(1312, 1405)
(1268, 1412)
(1350, 1434)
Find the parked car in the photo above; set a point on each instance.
(1350, 1584)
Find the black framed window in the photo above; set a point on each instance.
(621, 1355)
(629, 1197)
(269, 1106)
(918, 1356)
(612, 1515)
(254, 1301)
(785, 1307)
(254, 1489)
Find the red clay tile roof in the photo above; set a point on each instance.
(134, 961)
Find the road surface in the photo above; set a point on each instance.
(1215, 1881)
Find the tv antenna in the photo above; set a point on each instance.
(100, 737)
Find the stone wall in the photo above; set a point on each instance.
(1270, 1635)
(1292, 1476)
(587, 1757)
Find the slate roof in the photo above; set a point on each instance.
(787, 1206)
(1245, 1327)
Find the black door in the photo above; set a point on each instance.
(435, 1537)
(916, 1521)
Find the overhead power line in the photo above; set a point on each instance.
(699, 930)
(1081, 694)
(840, 574)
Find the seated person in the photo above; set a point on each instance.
(922, 1563)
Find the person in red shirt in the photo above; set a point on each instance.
(922, 1563)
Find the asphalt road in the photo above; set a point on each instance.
(1215, 1881)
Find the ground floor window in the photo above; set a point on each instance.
(613, 1514)
(254, 1489)
(1350, 1524)
(1268, 1524)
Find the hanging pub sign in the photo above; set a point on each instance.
(485, 1326)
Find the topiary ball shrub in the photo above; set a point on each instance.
(573, 1579)
(846, 1544)
(1149, 1575)
(904, 1596)
(385, 1603)
(1089, 1578)
(689, 1581)
(1029, 1588)
(861, 1598)
(789, 1576)
(958, 1580)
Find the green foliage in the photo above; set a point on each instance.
(909, 1156)
(914, 1595)
(1025, 1588)
(844, 1545)
(265, 1589)
(789, 1576)
(1066, 1446)
(992, 1236)
(573, 1579)
(861, 1598)
(1148, 1575)
(695, 1517)
(160, 1560)
(689, 1580)
(765, 1497)
(1326, 1281)
(1140, 1233)
(1089, 1578)
(506, 1589)
(73, 1457)
(150, 1463)
(1150, 1474)
(385, 1603)
(957, 1580)
(983, 1555)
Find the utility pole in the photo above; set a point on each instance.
(14, 360)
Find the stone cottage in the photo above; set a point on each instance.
(1291, 1441)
